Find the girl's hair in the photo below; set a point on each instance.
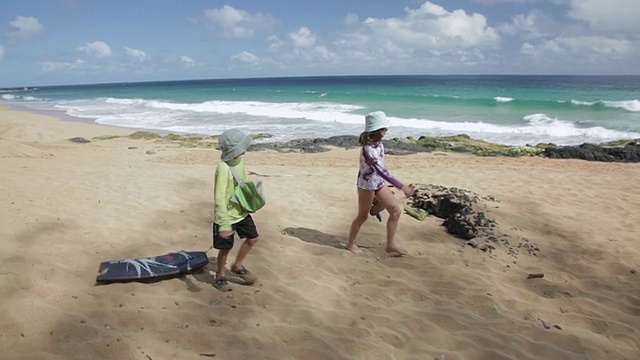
(371, 137)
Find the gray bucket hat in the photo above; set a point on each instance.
(232, 143)
(375, 121)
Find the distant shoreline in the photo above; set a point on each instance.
(622, 150)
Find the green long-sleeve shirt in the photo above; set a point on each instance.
(227, 212)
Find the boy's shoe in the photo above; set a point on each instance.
(247, 276)
(222, 284)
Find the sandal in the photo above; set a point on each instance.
(244, 274)
(222, 284)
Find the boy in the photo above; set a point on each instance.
(230, 217)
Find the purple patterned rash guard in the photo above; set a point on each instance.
(373, 174)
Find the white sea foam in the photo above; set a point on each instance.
(580, 102)
(503, 99)
(294, 120)
(631, 105)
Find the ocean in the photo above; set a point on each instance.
(513, 110)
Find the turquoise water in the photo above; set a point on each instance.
(506, 109)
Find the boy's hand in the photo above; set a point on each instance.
(226, 234)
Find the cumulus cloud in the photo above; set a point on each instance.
(427, 31)
(421, 40)
(247, 58)
(587, 48)
(187, 62)
(25, 27)
(1, 52)
(275, 44)
(494, 2)
(455, 27)
(97, 49)
(139, 55)
(533, 25)
(229, 22)
(528, 49)
(54, 66)
(605, 15)
(592, 45)
(351, 19)
(303, 38)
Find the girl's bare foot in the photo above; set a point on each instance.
(354, 248)
(394, 251)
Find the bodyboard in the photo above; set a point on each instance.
(151, 268)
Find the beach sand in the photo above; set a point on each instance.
(68, 206)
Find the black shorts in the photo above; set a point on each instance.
(246, 229)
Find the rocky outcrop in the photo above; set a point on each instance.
(629, 152)
(464, 214)
(615, 151)
(458, 208)
(316, 145)
(619, 151)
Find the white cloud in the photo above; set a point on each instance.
(187, 62)
(424, 39)
(593, 45)
(229, 22)
(246, 57)
(351, 19)
(25, 27)
(426, 32)
(533, 25)
(1, 52)
(528, 49)
(54, 66)
(607, 15)
(494, 2)
(303, 38)
(140, 55)
(98, 49)
(275, 44)
(594, 49)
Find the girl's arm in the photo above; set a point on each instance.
(373, 160)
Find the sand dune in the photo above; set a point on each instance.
(67, 206)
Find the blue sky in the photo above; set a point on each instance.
(57, 42)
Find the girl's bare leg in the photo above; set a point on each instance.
(365, 199)
(393, 206)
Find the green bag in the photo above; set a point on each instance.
(247, 194)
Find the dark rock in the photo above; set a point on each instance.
(545, 324)
(464, 216)
(629, 152)
(392, 147)
(79, 140)
(456, 206)
(616, 151)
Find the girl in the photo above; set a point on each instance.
(372, 179)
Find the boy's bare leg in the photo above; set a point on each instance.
(246, 246)
(238, 268)
(365, 198)
(222, 262)
(393, 206)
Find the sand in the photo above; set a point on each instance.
(68, 206)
